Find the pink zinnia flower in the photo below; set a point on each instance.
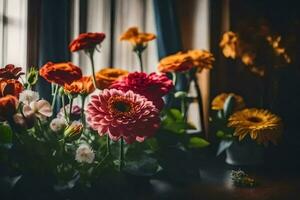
(153, 86)
(123, 114)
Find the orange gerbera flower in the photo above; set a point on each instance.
(11, 72)
(230, 45)
(137, 38)
(10, 87)
(176, 63)
(82, 86)
(8, 107)
(60, 73)
(201, 59)
(86, 41)
(105, 77)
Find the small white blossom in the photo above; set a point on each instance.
(28, 96)
(84, 153)
(58, 124)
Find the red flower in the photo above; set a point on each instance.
(11, 72)
(10, 87)
(123, 114)
(60, 73)
(153, 86)
(86, 41)
(8, 107)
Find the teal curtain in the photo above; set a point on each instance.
(169, 38)
(54, 38)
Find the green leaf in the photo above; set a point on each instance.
(197, 142)
(224, 144)
(173, 121)
(228, 106)
(180, 94)
(220, 134)
(5, 135)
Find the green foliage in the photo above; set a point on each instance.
(197, 142)
(6, 136)
(173, 121)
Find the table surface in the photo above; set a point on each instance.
(216, 184)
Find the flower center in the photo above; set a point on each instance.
(255, 119)
(122, 106)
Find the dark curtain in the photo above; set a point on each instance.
(54, 38)
(168, 34)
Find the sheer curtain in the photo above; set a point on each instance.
(98, 18)
(195, 35)
(130, 13)
(13, 32)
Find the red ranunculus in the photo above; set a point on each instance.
(153, 86)
(60, 73)
(8, 107)
(11, 72)
(10, 87)
(86, 41)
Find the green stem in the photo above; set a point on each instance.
(64, 107)
(91, 53)
(54, 96)
(108, 144)
(174, 78)
(183, 108)
(121, 159)
(200, 104)
(82, 110)
(139, 54)
(71, 105)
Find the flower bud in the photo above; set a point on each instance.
(32, 76)
(58, 124)
(73, 131)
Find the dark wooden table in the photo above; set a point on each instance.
(216, 184)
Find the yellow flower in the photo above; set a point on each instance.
(218, 101)
(137, 38)
(229, 45)
(275, 43)
(261, 125)
(105, 77)
(201, 59)
(179, 62)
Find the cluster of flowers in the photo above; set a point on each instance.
(125, 106)
(247, 48)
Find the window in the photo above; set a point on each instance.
(13, 32)
(113, 18)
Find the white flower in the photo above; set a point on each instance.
(58, 124)
(41, 109)
(84, 153)
(28, 96)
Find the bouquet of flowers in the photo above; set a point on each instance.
(242, 129)
(120, 127)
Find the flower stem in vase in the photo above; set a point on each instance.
(139, 54)
(54, 96)
(64, 108)
(121, 159)
(83, 97)
(91, 53)
(108, 144)
(71, 106)
(200, 103)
